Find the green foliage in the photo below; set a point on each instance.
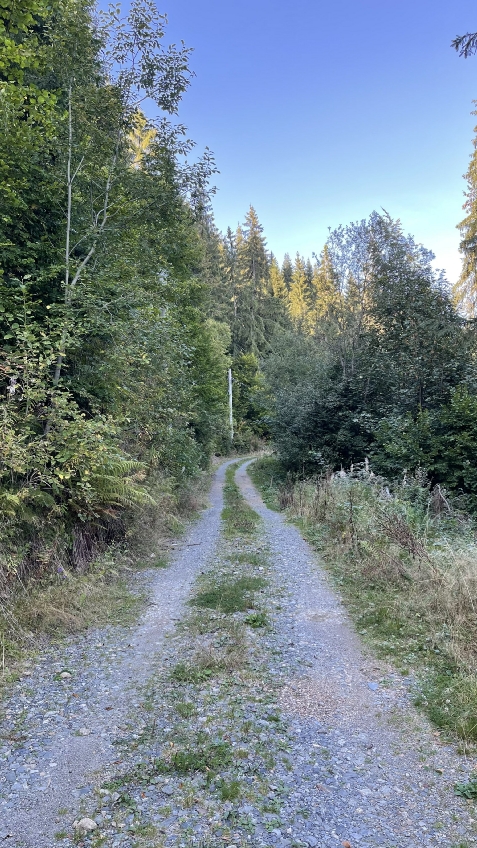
(442, 442)
(257, 620)
(377, 343)
(229, 790)
(270, 476)
(468, 789)
(185, 709)
(206, 758)
(249, 400)
(111, 371)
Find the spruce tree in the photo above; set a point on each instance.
(465, 290)
(287, 271)
(327, 301)
(253, 287)
(277, 282)
(299, 296)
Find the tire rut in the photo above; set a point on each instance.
(56, 734)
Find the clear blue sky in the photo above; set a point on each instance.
(320, 111)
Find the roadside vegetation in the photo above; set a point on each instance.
(406, 565)
(109, 592)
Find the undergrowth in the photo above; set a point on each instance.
(60, 599)
(406, 565)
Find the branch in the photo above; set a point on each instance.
(466, 45)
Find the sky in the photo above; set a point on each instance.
(319, 112)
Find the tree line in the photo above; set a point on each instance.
(112, 370)
(362, 353)
(122, 305)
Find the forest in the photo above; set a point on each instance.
(122, 307)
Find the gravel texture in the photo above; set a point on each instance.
(55, 731)
(219, 731)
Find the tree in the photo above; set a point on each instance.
(386, 343)
(253, 287)
(287, 270)
(465, 290)
(299, 296)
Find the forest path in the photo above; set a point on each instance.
(55, 733)
(386, 778)
(254, 720)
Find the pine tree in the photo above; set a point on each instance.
(229, 272)
(287, 271)
(277, 282)
(299, 296)
(327, 301)
(309, 274)
(253, 287)
(465, 290)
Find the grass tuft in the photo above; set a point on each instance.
(229, 790)
(204, 758)
(229, 597)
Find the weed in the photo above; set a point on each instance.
(143, 829)
(186, 709)
(467, 789)
(257, 619)
(184, 673)
(229, 790)
(208, 758)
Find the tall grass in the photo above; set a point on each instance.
(406, 564)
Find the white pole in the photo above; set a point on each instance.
(231, 417)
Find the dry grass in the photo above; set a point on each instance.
(54, 607)
(407, 566)
(44, 596)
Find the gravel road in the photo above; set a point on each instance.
(325, 746)
(55, 733)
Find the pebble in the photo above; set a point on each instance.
(85, 824)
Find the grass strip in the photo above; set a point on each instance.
(234, 596)
(237, 516)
